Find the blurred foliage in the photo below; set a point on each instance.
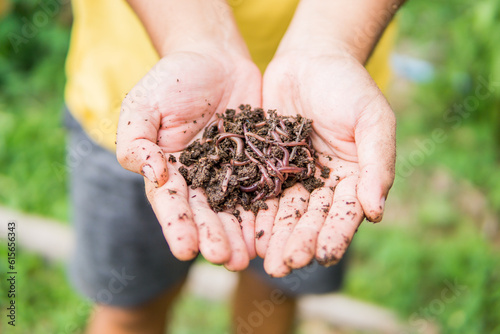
(45, 302)
(410, 268)
(406, 268)
(460, 39)
(31, 100)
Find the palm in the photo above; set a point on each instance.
(344, 104)
(188, 89)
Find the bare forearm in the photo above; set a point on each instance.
(326, 26)
(188, 25)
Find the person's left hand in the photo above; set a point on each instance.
(354, 128)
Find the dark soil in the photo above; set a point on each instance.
(245, 158)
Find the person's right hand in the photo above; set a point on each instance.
(160, 116)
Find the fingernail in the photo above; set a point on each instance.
(148, 172)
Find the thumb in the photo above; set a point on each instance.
(375, 137)
(136, 148)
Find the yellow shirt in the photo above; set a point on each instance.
(110, 52)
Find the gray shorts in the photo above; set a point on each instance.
(121, 257)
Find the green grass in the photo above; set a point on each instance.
(404, 265)
(45, 302)
(31, 100)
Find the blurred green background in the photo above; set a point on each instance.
(441, 226)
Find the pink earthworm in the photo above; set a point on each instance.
(256, 136)
(277, 187)
(239, 163)
(308, 153)
(275, 136)
(259, 196)
(275, 169)
(286, 156)
(291, 169)
(251, 158)
(309, 170)
(254, 186)
(293, 143)
(267, 178)
(225, 135)
(283, 128)
(225, 181)
(220, 125)
(255, 149)
(282, 132)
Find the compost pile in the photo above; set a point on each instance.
(245, 158)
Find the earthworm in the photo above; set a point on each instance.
(275, 136)
(308, 153)
(256, 136)
(259, 196)
(204, 139)
(267, 150)
(240, 145)
(225, 181)
(283, 128)
(293, 143)
(213, 156)
(254, 186)
(286, 156)
(239, 163)
(260, 124)
(275, 169)
(225, 135)
(309, 170)
(220, 125)
(319, 164)
(252, 145)
(277, 187)
(309, 142)
(267, 178)
(282, 132)
(255, 149)
(311, 148)
(251, 158)
(291, 169)
(212, 123)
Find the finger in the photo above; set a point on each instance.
(292, 205)
(213, 241)
(264, 226)
(174, 214)
(136, 148)
(301, 246)
(375, 137)
(239, 255)
(248, 230)
(342, 222)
